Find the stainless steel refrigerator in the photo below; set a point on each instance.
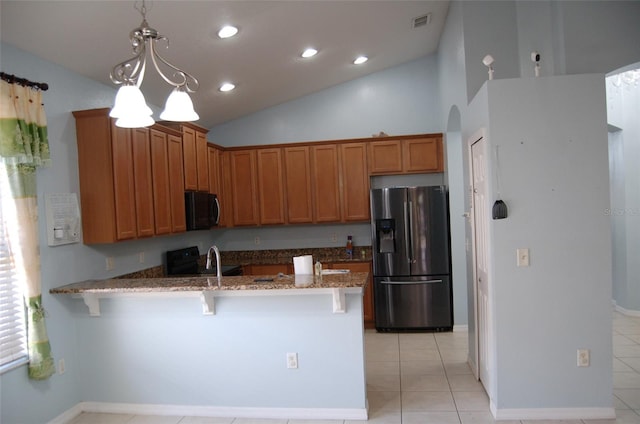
(411, 259)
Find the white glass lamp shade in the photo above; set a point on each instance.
(179, 107)
(135, 121)
(130, 102)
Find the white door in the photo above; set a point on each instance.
(480, 221)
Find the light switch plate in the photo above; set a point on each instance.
(523, 257)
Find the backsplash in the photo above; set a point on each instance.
(264, 257)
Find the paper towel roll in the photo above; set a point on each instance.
(303, 264)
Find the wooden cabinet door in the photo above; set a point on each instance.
(226, 192)
(244, 187)
(176, 184)
(142, 181)
(355, 182)
(270, 186)
(385, 157)
(189, 157)
(267, 269)
(161, 182)
(213, 156)
(297, 166)
(325, 174)
(423, 155)
(96, 174)
(123, 183)
(202, 161)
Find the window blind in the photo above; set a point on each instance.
(13, 335)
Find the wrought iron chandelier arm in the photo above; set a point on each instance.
(130, 71)
(186, 80)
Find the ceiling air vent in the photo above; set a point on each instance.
(421, 21)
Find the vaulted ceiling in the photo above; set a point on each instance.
(262, 60)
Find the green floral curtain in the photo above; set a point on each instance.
(24, 147)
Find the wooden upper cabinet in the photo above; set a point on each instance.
(124, 207)
(190, 158)
(325, 175)
(297, 167)
(385, 157)
(161, 181)
(423, 155)
(355, 182)
(131, 180)
(176, 183)
(202, 161)
(270, 186)
(244, 190)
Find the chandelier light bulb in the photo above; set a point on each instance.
(179, 107)
(129, 101)
(135, 121)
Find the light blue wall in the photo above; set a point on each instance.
(550, 210)
(141, 354)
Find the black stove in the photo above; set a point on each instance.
(185, 262)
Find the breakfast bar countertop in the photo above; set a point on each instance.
(357, 280)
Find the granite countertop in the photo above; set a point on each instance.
(267, 257)
(234, 283)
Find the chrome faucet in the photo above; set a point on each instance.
(218, 267)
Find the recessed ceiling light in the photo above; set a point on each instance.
(227, 31)
(310, 52)
(227, 86)
(360, 60)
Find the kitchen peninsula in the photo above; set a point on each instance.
(150, 345)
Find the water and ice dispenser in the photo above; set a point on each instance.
(386, 235)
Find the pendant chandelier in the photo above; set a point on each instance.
(130, 107)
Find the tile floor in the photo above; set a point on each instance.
(425, 379)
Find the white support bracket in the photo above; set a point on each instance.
(339, 302)
(208, 304)
(93, 303)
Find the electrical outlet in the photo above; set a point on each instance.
(292, 360)
(61, 367)
(257, 240)
(141, 257)
(523, 257)
(583, 357)
(109, 263)
(334, 237)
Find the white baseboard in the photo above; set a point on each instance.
(627, 312)
(460, 328)
(553, 413)
(67, 415)
(212, 411)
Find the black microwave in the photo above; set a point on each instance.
(202, 210)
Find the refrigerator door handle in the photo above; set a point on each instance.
(411, 256)
(410, 282)
(407, 234)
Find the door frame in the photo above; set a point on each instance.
(475, 137)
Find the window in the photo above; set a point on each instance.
(13, 334)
